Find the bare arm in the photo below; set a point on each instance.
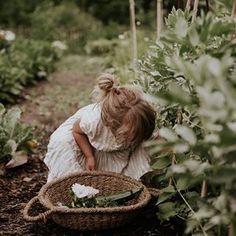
(84, 144)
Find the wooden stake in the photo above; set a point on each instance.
(178, 4)
(230, 230)
(207, 5)
(233, 15)
(195, 8)
(159, 18)
(134, 34)
(204, 189)
(188, 4)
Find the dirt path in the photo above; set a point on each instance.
(49, 104)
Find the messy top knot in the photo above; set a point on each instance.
(125, 112)
(106, 82)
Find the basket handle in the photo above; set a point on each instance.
(41, 216)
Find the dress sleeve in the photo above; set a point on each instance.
(89, 119)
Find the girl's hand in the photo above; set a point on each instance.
(90, 163)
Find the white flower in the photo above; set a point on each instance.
(42, 74)
(138, 23)
(7, 35)
(60, 45)
(121, 36)
(82, 191)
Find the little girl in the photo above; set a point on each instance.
(107, 135)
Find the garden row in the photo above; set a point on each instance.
(191, 73)
(23, 62)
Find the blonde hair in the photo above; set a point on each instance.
(130, 118)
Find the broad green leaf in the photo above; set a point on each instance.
(177, 94)
(169, 189)
(193, 37)
(232, 126)
(178, 169)
(11, 118)
(183, 182)
(186, 133)
(18, 159)
(180, 148)
(164, 196)
(162, 163)
(10, 147)
(223, 175)
(214, 67)
(181, 27)
(166, 210)
(156, 149)
(2, 111)
(168, 134)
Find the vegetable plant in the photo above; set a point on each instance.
(191, 74)
(15, 137)
(22, 63)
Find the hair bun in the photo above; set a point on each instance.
(106, 82)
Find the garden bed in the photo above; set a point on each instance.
(19, 185)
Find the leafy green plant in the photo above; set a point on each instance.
(100, 46)
(23, 63)
(65, 22)
(191, 73)
(14, 137)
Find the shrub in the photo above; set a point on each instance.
(191, 73)
(22, 63)
(14, 137)
(65, 22)
(100, 46)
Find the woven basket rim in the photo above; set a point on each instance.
(45, 202)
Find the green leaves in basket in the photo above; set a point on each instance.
(119, 198)
(105, 201)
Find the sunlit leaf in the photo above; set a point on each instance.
(162, 163)
(168, 134)
(166, 210)
(186, 133)
(18, 159)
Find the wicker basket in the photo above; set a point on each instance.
(88, 218)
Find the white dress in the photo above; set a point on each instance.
(64, 155)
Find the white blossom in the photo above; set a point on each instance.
(232, 126)
(82, 191)
(121, 36)
(42, 74)
(60, 45)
